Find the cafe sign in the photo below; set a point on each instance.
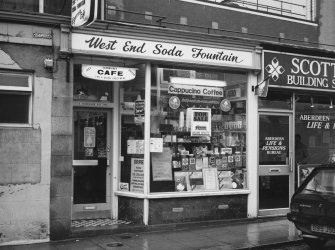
(156, 50)
(107, 73)
(299, 71)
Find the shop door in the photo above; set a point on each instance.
(276, 181)
(91, 170)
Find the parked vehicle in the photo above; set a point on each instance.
(313, 207)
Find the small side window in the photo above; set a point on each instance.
(15, 98)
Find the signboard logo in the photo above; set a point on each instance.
(225, 105)
(174, 102)
(274, 69)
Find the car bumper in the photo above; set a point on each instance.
(303, 223)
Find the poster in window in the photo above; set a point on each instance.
(139, 112)
(201, 122)
(181, 181)
(161, 165)
(135, 146)
(137, 175)
(89, 137)
(196, 180)
(210, 178)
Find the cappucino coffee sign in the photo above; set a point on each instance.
(156, 50)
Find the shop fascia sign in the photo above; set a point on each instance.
(299, 71)
(108, 73)
(181, 89)
(133, 48)
(83, 12)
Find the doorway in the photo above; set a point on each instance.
(275, 168)
(92, 129)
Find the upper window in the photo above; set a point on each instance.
(20, 5)
(15, 98)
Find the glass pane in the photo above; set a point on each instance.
(322, 182)
(314, 127)
(273, 139)
(14, 108)
(276, 99)
(58, 7)
(132, 96)
(86, 89)
(90, 129)
(273, 192)
(20, 5)
(14, 80)
(89, 184)
(214, 102)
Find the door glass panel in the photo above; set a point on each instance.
(90, 129)
(276, 99)
(273, 191)
(89, 184)
(90, 143)
(273, 139)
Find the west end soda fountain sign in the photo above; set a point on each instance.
(133, 48)
(299, 71)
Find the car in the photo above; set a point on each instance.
(312, 207)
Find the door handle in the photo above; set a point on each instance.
(291, 164)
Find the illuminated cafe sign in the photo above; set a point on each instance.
(107, 73)
(122, 47)
(299, 71)
(83, 12)
(182, 89)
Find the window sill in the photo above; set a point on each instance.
(16, 125)
(182, 194)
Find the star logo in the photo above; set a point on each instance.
(274, 69)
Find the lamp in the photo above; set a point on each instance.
(331, 104)
(312, 103)
(196, 81)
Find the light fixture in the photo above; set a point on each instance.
(196, 81)
(312, 103)
(331, 104)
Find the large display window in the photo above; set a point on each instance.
(198, 130)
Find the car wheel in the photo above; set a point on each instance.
(315, 243)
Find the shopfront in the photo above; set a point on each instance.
(169, 142)
(296, 125)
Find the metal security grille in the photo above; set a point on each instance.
(98, 223)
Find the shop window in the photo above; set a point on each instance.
(132, 97)
(15, 98)
(198, 130)
(314, 128)
(20, 5)
(89, 92)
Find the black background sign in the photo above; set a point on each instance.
(299, 71)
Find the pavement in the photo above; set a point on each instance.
(242, 234)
